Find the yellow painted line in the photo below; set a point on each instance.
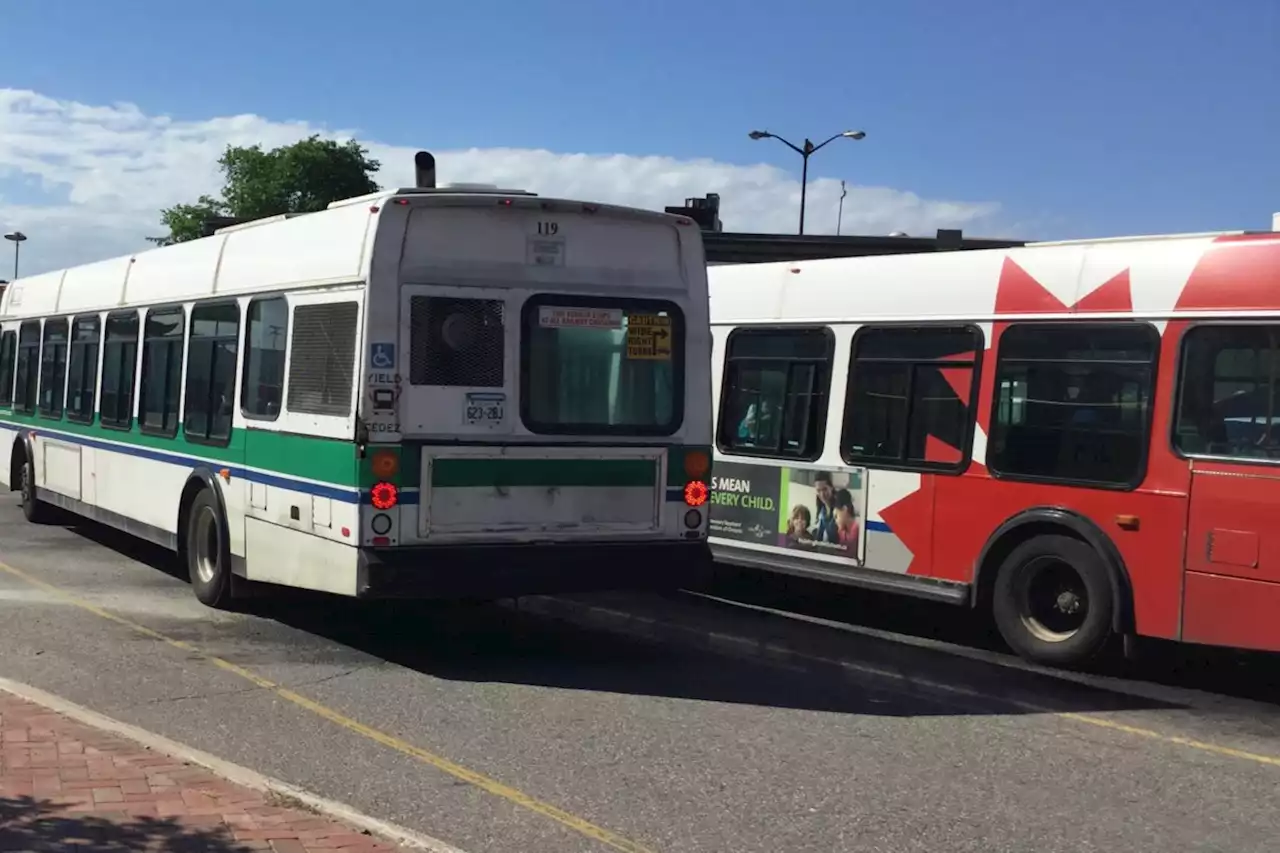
(471, 777)
(1074, 716)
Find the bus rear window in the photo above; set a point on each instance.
(602, 366)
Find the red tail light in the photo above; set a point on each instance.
(695, 493)
(384, 496)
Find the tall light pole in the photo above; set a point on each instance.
(806, 151)
(17, 238)
(840, 213)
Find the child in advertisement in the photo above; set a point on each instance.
(833, 526)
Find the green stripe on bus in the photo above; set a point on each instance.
(329, 460)
(326, 460)
(463, 473)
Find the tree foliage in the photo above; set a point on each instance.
(299, 178)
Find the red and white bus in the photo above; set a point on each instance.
(1082, 436)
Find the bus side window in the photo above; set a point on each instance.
(27, 367)
(161, 371)
(211, 372)
(119, 366)
(1079, 408)
(774, 397)
(1227, 394)
(265, 347)
(8, 352)
(82, 372)
(910, 398)
(53, 369)
(322, 361)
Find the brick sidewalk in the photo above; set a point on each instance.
(65, 786)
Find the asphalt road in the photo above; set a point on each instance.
(503, 731)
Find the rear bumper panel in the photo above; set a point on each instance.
(504, 571)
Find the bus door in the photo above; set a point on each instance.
(299, 439)
(1228, 422)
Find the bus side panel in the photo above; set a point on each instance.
(1233, 556)
(124, 474)
(283, 555)
(968, 509)
(8, 441)
(1231, 611)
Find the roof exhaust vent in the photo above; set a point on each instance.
(424, 170)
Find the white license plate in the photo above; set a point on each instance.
(485, 409)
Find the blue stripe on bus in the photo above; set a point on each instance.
(336, 493)
(878, 527)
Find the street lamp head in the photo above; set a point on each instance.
(854, 134)
(16, 237)
(759, 134)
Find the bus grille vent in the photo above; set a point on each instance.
(323, 356)
(456, 342)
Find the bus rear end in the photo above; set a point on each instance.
(537, 406)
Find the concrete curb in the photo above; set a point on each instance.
(231, 772)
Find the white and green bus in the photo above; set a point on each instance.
(457, 392)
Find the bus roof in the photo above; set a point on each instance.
(327, 247)
(1146, 276)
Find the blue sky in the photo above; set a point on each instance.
(1084, 119)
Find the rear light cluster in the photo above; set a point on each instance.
(384, 495)
(385, 464)
(697, 465)
(695, 493)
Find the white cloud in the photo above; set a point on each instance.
(86, 182)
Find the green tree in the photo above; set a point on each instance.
(299, 178)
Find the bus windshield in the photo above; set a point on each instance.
(605, 366)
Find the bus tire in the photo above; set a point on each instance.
(1053, 601)
(33, 509)
(207, 551)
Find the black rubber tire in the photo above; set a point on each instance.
(33, 509)
(1093, 634)
(217, 590)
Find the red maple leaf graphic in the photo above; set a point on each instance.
(911, 518)
(1239, 271)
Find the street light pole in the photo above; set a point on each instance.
(840, 213)
(17, 238)
(805, 152)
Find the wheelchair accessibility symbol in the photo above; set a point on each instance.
(382, 356)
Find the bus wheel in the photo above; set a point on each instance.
(1053, 601)
(208, 559)
(34, 509)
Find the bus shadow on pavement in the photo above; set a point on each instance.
(1241, 674)
(486, 642)
(27, 823)
(502, 644)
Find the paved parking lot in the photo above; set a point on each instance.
(502, 730)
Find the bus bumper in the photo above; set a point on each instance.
(505, 571)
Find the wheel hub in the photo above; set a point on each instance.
(1053, 600)
(204, 544)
